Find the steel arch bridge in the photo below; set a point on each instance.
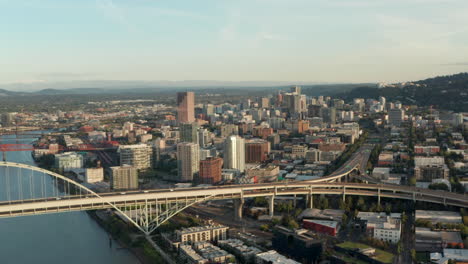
(148, 209)
(146, 217)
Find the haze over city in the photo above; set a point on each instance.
(332, 41)
(234, 132)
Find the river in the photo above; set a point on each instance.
(72, 238)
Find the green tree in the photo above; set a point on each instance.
(361, 204)
(292, 224)
(439, 186)
(413, 254)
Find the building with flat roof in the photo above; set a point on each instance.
(138, 155)
(202, 233)
(189, 132)
(210, 170)
(124, 177)
(213, 253)
(382, 226)
(93, 175)
(435, 241)
(321, 226)
(263, 173)
(326, 214)
(299, 151)
(185, 107)
(234, 153)
(273, 257)
(429, 161)
(68, 161)
(426, 150)
(430, 168)
(396, 117)
(242, 251)
(188, 161)
(456, 254)
(301, 244)
(256, 151)
(448, 217)
(190, 256)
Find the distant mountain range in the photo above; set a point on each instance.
(137, 87)
(445, 92)
(116, 84)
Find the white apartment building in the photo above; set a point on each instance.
(382, 226)
(202, 233)
(138, 156)
(234, 153)
(93, 175)
(68, 161)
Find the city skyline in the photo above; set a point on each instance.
(298, 41)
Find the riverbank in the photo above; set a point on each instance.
(126, 236)
(67, 233)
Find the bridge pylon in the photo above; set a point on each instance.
(238, 207)
(153, 213)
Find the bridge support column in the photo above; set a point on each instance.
(238, 206)
(310, 198)
(344, 194)
(378, 196)
(271, 205)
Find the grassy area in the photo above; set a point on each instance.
(381, 255)
(422, 257)
(349, 259)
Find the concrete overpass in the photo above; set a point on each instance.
(148, 209)
(163, 204)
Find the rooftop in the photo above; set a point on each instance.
(332, 224)
(439, 216)
(456, 254)
(274, 257)
(199, 228)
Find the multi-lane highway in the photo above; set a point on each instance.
(109, 200)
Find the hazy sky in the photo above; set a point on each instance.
(232, 40)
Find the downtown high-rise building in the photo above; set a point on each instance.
(204, 137)
(256, 150)
(295, 89)
(124, 177)
(383, 101)
(210, 170)
(234, 153)
(138, 156)
(396, 116)
(188, 161)
(185, 107)
(189, 132)
(329, 115)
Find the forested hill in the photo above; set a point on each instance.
(444, 92)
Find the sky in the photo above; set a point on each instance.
(332, 41)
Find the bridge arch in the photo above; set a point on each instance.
(148, 209)
(142, 219)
